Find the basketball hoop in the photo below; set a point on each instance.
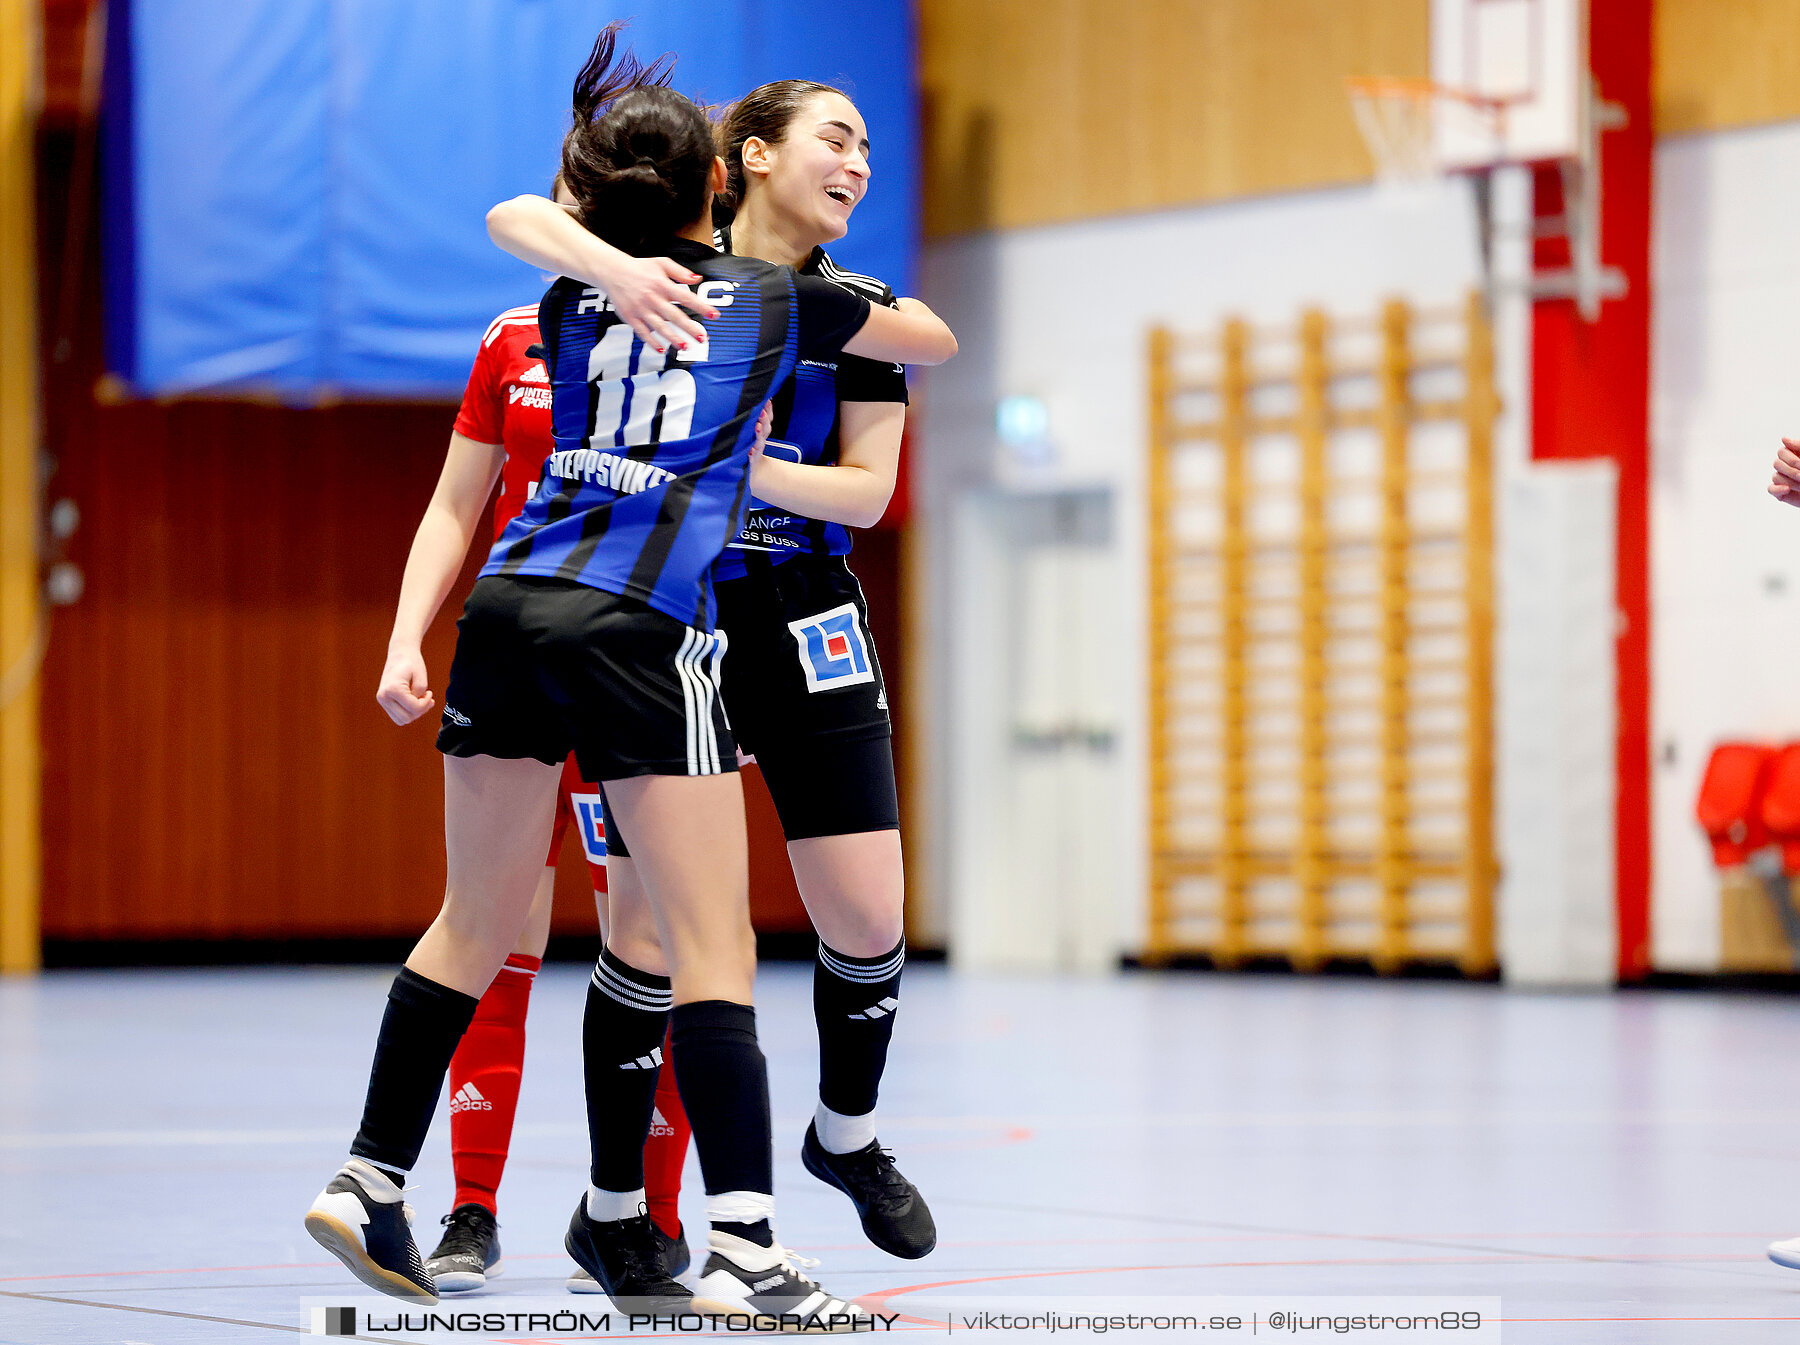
(1398, 119)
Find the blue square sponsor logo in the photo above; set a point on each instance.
(833, 652)
(590, 821)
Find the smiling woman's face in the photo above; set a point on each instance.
(814, 178)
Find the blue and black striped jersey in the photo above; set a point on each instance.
(806, 430)
(648, 480)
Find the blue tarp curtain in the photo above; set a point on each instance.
(295, 189)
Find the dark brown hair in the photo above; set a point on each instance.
(762, 114)
(637, 157)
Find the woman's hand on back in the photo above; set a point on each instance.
(405, 691)
(651, 296)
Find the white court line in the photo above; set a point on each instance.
(1404, 1120)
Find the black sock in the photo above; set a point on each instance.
(725, 1088)
(419, 1032)
(621, 1054)
(854, 999)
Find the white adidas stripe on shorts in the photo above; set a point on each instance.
(697, 665)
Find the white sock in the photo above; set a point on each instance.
(609, 1206)
(741, 1207)
(840, 1134)
(377, 1181)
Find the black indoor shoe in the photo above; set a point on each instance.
(361, 1218)
(893, 1213)
(625, 1259)
(468, 1255)
(676, 1258)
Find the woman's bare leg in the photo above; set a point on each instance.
(854, 888)
(497, 814)
(630, 920)
(688, 843)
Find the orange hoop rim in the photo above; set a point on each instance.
(1422, 90)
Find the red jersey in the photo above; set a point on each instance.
(507, 402)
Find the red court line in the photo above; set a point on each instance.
(1528, 1321)
(1163, 1240)
(879, 1298)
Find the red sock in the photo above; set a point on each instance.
(484, 1082)
(666, 1150)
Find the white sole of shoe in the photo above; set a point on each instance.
(338, 1238)
(583, 1284)
(464, 1281)
(1786, 1256)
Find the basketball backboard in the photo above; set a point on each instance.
(1526, 61)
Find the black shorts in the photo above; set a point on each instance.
(804, 689)
(821, 787)
(800, 662)
(545, 667)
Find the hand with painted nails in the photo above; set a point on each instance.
(651, 296)
(1786, 485)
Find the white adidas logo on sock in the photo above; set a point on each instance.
(650, 1061)
(659, 1124)
(881, 1010)
(469, 1098)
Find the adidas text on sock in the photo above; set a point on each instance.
(419, 1033)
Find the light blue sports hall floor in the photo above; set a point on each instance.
(1610, 1166)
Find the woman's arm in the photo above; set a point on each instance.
(909, 333)
(438, 548)
(646, 292)
(856, 491)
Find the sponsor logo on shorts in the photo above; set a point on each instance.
(833, 652)
(457, 717)
(590, 820)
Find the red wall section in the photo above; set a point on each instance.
(1591, 399)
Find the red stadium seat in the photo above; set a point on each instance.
(1729, 807)
(1780, 807)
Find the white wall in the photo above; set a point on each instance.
(1725, 558)
(1061, 313)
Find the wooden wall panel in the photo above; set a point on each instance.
(1724, 63)
(215, 763)
(1039, 111)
